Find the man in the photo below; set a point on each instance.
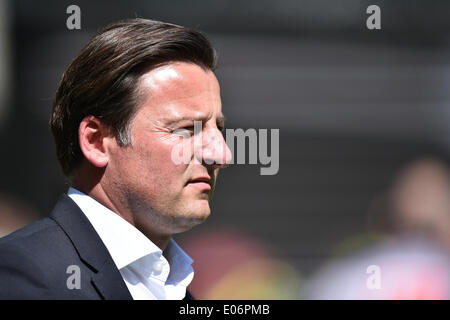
(117, 118)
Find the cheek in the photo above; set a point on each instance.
(154, 162)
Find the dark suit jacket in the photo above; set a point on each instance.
(34, 260)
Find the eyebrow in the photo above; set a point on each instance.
(220, 119)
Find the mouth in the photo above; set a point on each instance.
(204, 182)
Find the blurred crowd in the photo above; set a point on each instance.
(406, 252)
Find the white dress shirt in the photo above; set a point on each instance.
(148, 274)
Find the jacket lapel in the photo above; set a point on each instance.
(106, 278)
(109, 286)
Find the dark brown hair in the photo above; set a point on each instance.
(103, 79)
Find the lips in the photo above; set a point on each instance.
(201, 182)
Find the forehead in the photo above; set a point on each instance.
(180, 89)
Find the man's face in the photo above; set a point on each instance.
(159, 193)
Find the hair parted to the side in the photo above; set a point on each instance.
(103, 79)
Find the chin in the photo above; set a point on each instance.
(200, 213)
(193, 217)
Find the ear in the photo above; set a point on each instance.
(92, 135)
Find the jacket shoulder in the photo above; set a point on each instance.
(33, 261)
(21, 277)
(36, 229)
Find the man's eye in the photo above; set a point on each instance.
(190, 128)
(185, 132)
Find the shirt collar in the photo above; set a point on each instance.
(181, 269)
(125, 243)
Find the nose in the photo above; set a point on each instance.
(214, 151)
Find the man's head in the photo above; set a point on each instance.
(114, 117)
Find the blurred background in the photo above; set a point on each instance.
(364, 119)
